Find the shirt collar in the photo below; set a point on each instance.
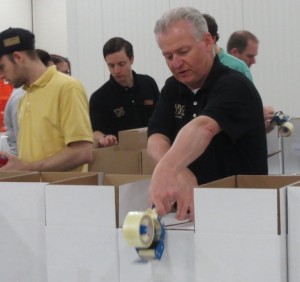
(43, 79)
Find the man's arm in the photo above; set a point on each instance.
(167, 185)
(157, 146)
(74, 155)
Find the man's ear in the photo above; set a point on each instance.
(18, 56)
(209, 41)
(233, 51)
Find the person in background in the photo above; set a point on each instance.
(54, 127)
(244, 45)
(62, 64)
(11, 108)
(126, 100)
(202, 128)
(225, 58)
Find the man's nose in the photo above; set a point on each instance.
(177, 62)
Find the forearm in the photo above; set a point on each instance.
(157, 146)
(73, 156)
(190, 143)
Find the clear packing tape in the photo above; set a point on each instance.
(146, 232)
(285, 127)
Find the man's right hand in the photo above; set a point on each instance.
(108, 140)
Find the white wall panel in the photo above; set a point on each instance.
(276, 73)
(92, 22)
(50, 25)
(134, 20)
(228, 14)
(15, 13)
(85, 33)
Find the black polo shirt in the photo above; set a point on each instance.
(233, 102)
(114, 107)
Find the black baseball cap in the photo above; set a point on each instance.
(16, 39)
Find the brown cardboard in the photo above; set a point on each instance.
(256, 182)
(18, 176)
(115, 160)
(48, 177)
(117, 180)
(133, 139)
(148, 164)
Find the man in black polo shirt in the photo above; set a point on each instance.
(126, 100)
(208, 122)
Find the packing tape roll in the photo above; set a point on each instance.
(286, 129)
(138, 229)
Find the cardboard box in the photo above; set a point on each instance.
(131, 193)
(293, 200)
(82, 239)
(23, 221)
(148, 164)
(22, 236)
(240, 229)
(133, 139)
(274, 152)
(114, 160)
(177, 264)
(291, 150)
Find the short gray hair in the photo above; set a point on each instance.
(188, 14)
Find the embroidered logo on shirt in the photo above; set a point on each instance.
(179, 111)
(148, 102)
(119, 112)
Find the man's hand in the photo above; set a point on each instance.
(13, 163)
(269, 113)
(167, 188)
(108, 140)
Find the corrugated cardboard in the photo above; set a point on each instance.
(115, 160)
(133, 139)
(131, 193)
(293, 203)
(291, 150)
(240, 229)
(148, 164)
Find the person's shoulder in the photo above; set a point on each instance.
(144, 77)
(103, 90)
(233, 62)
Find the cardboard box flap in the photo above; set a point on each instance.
(20, 176)
(228, 182)
(261, 198)
(266, 181)
(239, 211)
(116, 161)
(129, 184)
(119, 179)
(84, 178)
(133, 139)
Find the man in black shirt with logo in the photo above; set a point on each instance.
(208, 122)
(126, 100)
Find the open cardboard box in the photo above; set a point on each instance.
(60, 226)
(148, 164)
(240, 235)
(116, 160)
(293, 204)
(133, 139)
(240, 228)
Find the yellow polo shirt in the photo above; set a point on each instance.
(52, 113)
